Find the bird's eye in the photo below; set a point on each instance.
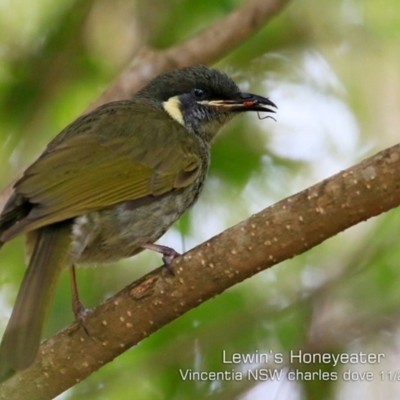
(199, 94)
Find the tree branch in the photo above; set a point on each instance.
(288, 228)
(206, 48)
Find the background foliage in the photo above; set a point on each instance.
(333, 69)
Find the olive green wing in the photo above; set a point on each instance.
(94, 170)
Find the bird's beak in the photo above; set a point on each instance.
(244, 102)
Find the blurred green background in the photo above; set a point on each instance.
(333, 70)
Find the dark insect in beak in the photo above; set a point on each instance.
(265, 116)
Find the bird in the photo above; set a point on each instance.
(109, 185)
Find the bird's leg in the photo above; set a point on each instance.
(77, 307)
(168, 253)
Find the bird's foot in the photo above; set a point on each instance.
(79, 310)
(169, 254)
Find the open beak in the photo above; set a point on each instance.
(245, 102)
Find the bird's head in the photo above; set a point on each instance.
(202, 99)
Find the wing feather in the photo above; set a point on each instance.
(91, 170)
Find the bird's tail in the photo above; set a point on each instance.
(21, 339)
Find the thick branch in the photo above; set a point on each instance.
(277, 233)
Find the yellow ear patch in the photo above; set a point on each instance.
(172, 108)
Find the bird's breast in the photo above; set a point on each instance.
(117, 232)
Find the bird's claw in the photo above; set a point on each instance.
(169, 254)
